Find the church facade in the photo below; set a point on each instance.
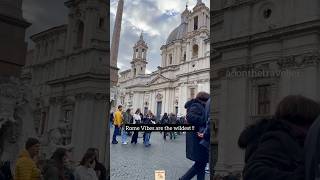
(182, 72)
(67, 71)
(261, 52)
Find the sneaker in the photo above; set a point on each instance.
(207, 170)
(124, 143)
(114, 142)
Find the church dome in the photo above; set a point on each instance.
(178, 33)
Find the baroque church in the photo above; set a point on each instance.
(259, 36)
(67, 72)
(182, 72)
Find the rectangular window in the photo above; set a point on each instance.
(101, 23)
(264, 100)
(43, 122)
(195, 23)
(67, 130)
(68, 115)
(192, 92)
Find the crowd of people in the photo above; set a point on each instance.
(121, 118)
(197, 142)
(283, 147)
(58, 167)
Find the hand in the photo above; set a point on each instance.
(200, 135)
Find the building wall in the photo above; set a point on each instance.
(12, 45)
(69, 80)
(246, 41)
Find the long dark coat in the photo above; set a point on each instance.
(274, 150)
(312, 152)
(196, 117)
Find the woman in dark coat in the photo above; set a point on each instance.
(194, 151)
(148, 119)
(56, 169)
(164, 121)
(274, 147)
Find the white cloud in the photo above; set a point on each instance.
(148, 71)
(156, 18)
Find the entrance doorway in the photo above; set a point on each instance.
(145, 110)
(159, 105)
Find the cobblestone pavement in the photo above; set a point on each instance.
(136, 162)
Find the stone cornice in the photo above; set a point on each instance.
(298, 61)
(49, 32)
(235, 4)
(14, 21)
(272, 34)
(281, 64)
(78, 77)
(193, 72)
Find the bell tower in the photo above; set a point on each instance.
(139, 61)
(87, 25)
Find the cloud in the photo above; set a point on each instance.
(43, 14)
(148, 71)
(156, 18)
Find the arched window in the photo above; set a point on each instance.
(137, 52)
(143, 53)
(195, 50)
(80, 32)
(170, 59)
(135, 72)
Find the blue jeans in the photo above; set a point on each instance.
(124, 135)
(147, 139)
(115, 133)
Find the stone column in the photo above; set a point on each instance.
(116, 39)
(188, 57)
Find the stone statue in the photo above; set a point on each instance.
(54, 139)
(15, 117)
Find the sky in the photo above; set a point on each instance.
(43, 14)
(156, 18)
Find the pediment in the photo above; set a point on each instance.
(159, 79)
